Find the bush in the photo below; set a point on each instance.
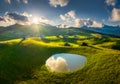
(84, 44)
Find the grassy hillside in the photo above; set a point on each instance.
(19, 31)
(22, 61)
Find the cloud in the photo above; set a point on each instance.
(110, 2)
(91, 23)
(58, 65)
(63, 17)
(8, 1)
(115, 16)
(72, 14)
(25, 1)
(63, 26)
(2, 19)
(70, 19)
(56, 3)
(96, 24)
(77, 23)
(44, 20)
(25, 17)
(22, 19)
(87, 22)
(115, 13)
(17, 17)
(6, 21)
(18, 0)
(13, 18)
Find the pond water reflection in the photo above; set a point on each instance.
(64, 62)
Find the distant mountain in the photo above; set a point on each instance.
(34, 30)
(20, 31)
(63, 26)
(17, 26)
(109, 30)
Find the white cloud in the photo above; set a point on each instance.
(26, 14)
(77, 23)
(6, 21)
(91, 23)
(88, 22)
(72, 14)
(32, 19)
(25, 1)
(58, 65)
(115, 16)
(8, 1)
(63, 17)
(56, 3)
(96, 24)
(44, 20)
(68, 16)
(23, 19)
(71, 19)
(110, 2)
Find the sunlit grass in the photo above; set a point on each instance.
(21, 61)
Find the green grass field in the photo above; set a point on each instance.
(23, 61)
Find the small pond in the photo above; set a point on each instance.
(65, 62)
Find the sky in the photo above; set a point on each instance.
(65, 13)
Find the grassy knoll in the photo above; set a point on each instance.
(22, 62)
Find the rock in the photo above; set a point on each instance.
(84, 44)
(67, 44)
(24, 38)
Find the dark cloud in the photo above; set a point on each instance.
(12, 18)
(22, 19)
(2, 19)
(17, 17)
(88, 22)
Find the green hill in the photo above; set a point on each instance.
(19, 31)
(22, 62)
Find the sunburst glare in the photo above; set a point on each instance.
(35, 20)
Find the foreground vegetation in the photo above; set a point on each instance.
(22, 61)
(25, 49)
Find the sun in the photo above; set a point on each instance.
(35, 20)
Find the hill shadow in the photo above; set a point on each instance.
(94, 47)
(23, 39)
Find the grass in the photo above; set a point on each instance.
(22, 61)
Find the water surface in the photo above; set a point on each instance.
(64, 62)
